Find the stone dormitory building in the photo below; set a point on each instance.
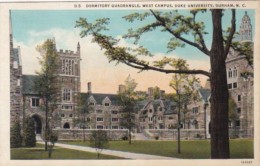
(152, 116)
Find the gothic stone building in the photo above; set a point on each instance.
(103, 110)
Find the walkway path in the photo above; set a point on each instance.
(127, 155)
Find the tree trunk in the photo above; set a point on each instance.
(219, 92)
(46, 125)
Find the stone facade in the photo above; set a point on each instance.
(153, 117)
(15, 80)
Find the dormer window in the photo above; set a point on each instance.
(91, 103)
(107, 104)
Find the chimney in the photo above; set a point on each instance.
(121, 88)
(162, 94)
(150, 93)
(89, 87)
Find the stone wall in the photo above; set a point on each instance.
(77, 134)
(170, 134)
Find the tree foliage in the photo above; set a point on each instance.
(99, 140)
(29, 132)
(128, 99)
(15, 135)
(48, 83)
(180, 27)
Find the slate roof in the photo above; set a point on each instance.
(99, 97)
(28, 84)
(168, 104)
(205, 93)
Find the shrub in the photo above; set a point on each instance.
(124, 138)
(53, 138)
(29, 133)
(15, 135)
(99, 140)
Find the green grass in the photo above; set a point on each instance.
(58, 153)
(197, 149)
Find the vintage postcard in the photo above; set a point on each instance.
(129, 82)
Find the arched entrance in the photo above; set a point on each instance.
(66, 125)
(37, 123)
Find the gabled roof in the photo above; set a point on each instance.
(205, 93)
(28, 84)
(99, 97)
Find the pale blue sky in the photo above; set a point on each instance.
(25, 21)
(32, 27)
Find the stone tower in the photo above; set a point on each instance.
(245, 31)
(70, 83)
(241, 89)
(15, 79)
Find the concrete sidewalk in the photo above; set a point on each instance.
(122, 154)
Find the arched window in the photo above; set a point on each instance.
(66, 125)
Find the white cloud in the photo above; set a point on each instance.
(95, 68)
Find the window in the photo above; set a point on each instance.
(67, 107)
(100, 127)
(99, 119)
(229, 86)
(114, 119)
(18, 82)
(170, 117)
(235, 72)
(115, 127)
(15, 65)
(62, 115)
(114, 112)
(195, 110)
(238, 123)
(150, 110)
(91, 103)
(229, 123)
(229, 73)
(150, 119)
(107, 104)
(66, 94)
(238, 97)
(238, 110)
(35, 102)
(67, 66)
(234, 85)
(71, 115)
(99, 111)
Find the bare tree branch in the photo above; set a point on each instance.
(231, 33)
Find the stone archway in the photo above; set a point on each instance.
(37, 123)
(66, 125)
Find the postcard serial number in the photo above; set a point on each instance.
(246, 162)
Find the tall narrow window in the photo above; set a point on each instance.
(66, 94)
(238, 97)
(235, 72)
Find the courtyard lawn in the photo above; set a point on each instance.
(190, 149)
(58, 153)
